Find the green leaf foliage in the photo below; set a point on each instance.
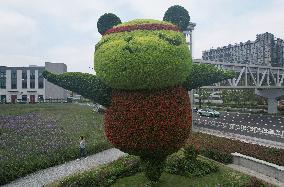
(105, 175)
(142, 59)
(177, 15)
(107, 21)
(87, 85)
(204, 75)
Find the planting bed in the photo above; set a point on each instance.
(38, 136)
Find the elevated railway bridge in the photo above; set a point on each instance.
(267, 81)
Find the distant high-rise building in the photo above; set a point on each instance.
(265, 50)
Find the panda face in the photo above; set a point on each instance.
(144, 58)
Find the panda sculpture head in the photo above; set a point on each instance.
(142, 55)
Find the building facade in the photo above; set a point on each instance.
(265, 50)
(26, 84)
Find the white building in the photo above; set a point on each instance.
(265, 50)
(26, 84)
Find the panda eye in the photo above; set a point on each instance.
(174, 41)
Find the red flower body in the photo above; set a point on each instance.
(146, 123)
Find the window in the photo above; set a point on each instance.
(14, 74)
(40, 84)
(2, 74)
(24, 74)
(2, 83)
(14, 79)
(32, 74)
(14, 83)
(32, 84)
(40, 74)
(40, 79)
(24, 84)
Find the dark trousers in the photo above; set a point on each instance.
(82, 152)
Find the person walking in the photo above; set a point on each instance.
(82, 147)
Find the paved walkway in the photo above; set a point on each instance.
(46, 176)
(49, 175)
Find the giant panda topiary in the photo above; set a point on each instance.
(143, 73)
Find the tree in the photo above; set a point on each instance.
(203, 95)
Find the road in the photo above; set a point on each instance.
(254, 125)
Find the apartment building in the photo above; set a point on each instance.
(265, 50)
(26, 84)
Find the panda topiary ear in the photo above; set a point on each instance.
(177, 15)
(107, 21)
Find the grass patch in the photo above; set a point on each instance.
(37, 136)
(224, 177)
(127, 171)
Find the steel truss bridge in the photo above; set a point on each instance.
(267, 81)
(248, 76)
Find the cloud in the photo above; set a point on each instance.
(77, 58)
(17, 32)
(65, 31)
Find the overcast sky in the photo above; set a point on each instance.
(35, 31)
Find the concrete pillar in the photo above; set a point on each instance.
(271, 95)
(272, 106)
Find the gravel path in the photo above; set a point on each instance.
(49, 175)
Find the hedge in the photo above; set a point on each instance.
(220, 149)
(106, 174)
(87, 85)
(205, 75)
(143, 59)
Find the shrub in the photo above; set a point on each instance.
(182, 164)
(107, 21)
(177, 15)
(106, 174)
(149, 123)
(225, 158)
(142, 59)
(191, 152)
(153, 168)
(220, 149)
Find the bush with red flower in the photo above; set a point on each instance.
(149, 123)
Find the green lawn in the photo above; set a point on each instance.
(225, 177)
(36, 136)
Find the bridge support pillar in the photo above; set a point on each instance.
(271, 95)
